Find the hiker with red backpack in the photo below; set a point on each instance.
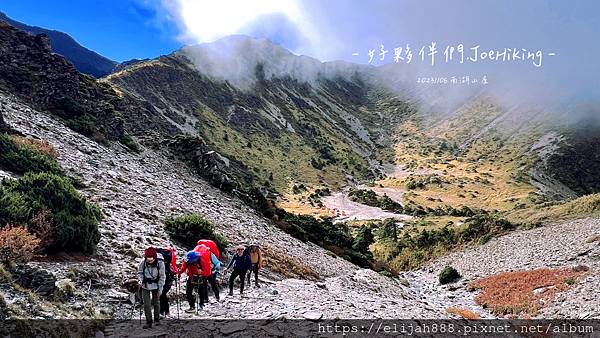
(215, 257)
(241, 263)
(151, 277)
(197, 266)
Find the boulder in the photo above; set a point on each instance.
(65, 288)
(40, 281)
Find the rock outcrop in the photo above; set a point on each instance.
(30, 70)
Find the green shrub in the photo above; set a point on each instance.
(483, 224)
(74, 220)
(370, 198)
(430, 243)
(22, 158)
(388, 229)
(333, 237)
(130, 143)
(448, 275)
(484, 239)
(363, 240)
(190, 228)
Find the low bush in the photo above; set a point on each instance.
(74, 220)
(422, 181)
(415, 249)
(370, 198)
(21, 158)
(130, 143)
(333, 237)
(17, 245)
(448, 275)
(42, 146)
(188, 229)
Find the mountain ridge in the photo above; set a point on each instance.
(85, 60)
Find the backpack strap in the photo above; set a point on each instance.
(147, 280)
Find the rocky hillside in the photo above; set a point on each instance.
(555, 154)
(288, 119)
(85, 60)
(30, 70)
(138, 191)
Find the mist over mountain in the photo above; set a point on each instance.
(235, 59)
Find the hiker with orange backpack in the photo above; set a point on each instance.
(256, 263)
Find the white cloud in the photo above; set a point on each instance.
(206, 21)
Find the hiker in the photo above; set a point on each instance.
(170, 270)
(256, 263)
(197, 266)
(215, 265)
(240, 262)
(151, 276)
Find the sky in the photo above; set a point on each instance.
(347, 30)
(118, 29)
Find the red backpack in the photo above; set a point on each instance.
(212, 245)
(205, 261)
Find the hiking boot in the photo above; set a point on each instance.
(157, 323)
(230, 293)
(258, 286)
(148, 325)
(190, 310)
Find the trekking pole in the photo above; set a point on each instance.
(141, 302)
(133, 305)
(199, 295)
(177, 297)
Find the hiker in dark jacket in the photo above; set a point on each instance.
(151, 276)
(240, 262)
(170, 270)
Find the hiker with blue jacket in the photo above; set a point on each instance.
(212, 280)
(151, 277)
(240, 263)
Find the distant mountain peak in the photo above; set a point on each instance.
(240, 60)
(84, 60)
